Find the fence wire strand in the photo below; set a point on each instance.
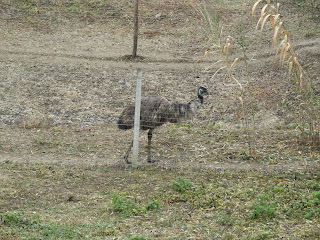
(74, 107)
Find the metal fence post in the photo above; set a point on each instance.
(137, 120)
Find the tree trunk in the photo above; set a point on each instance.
(136, 30)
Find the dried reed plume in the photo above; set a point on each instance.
(283, 47)
(223, 48)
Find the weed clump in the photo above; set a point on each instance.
(154, 205)
(181, 185)
(128, 207)
(262, 209)
(124, 206)
(36, 229)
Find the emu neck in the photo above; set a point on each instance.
(200, 98)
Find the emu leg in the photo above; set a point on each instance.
(149, 146)
(127, 153)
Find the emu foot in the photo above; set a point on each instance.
(126, 160)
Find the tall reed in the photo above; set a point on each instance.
(222, 47)
(308, 102)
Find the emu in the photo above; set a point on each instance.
(157, 110)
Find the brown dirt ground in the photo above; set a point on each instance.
(64, 82)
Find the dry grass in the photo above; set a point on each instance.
(59, 175)
(283, 46)
(63, 202)
(223, 47)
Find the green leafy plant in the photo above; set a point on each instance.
(124, 206)
(36, 229)
(154, 205)
(128, 208)
(181, 185)
(313, 185)
(262, 209)
(312, 205)
(278, 189)
(11, 217)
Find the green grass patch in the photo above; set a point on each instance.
(124, 206)
(127, 207)
(151, 206)
(262, 209)
(35, 229)
(181, 185)
(118, 203)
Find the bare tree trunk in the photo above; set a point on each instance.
(136, 30)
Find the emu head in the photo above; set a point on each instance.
(202, 91)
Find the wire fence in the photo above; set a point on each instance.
(149, 11)
(62, 96)
(72, 112)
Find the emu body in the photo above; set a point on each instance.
(157, 110)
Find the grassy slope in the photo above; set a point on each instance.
(59, 201)
(63, 201)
